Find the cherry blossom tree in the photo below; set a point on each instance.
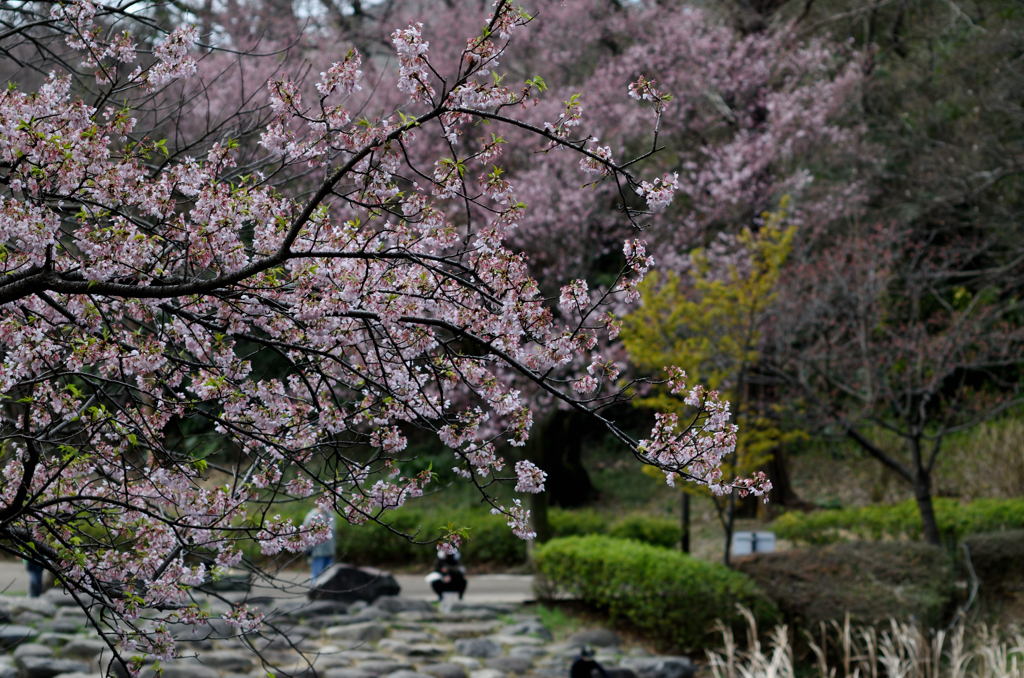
(352, 278)
(749, 119)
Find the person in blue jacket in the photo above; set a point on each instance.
(320, 556)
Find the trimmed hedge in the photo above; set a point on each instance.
(900, 520)
(871, 581)
(648, 529)
(667, 594)
(490, 539)
(639, 527)
(576, 523)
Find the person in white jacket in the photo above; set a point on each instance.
(448, 575)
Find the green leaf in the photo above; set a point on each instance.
(538, 82)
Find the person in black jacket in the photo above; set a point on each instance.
(448, 575)
(584, 665)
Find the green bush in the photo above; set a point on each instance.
(665, 593)
(648, 529)
(871, 581)
(955, 521)
(997, 559)
(578, 522)
(490, 539)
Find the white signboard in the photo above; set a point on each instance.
(745, 543)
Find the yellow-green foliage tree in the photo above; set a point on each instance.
(709, 323)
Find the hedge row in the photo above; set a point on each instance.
(669, 595)
(648, 529)
(490, 540)
(955, 521)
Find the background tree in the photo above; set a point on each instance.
(891, 334)
(712, 326)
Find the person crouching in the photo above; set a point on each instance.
(584, 665)
(448, 575)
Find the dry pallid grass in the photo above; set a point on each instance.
(900, 651)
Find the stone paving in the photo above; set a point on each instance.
(394, 637)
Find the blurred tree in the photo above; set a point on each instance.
(890, 330)
(711, 325)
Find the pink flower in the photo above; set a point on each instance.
(595, 166)
(529, 478)
(575, 296)
(660, 192)
(173, 61)
(342, 77)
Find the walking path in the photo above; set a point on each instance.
(484, 588)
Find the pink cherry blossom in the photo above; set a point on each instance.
(529, 478)
(335, 284)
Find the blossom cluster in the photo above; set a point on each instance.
(140, 297)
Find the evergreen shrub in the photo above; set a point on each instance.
(663, 532)
(577, 522)
(490, 539)
(668, 595)
(902, 520)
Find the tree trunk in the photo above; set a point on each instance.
(922, 481)
(556, 446)
(534, 451)
(684, 543)
(561, 456)
(923, 495)
(730, 522)
(539, 517)
(782, 492)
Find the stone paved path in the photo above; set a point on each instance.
(395, 637)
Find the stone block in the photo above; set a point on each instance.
(83, 648)
(532, 627)
(488, 673)
(229, 661)
(467, 629)
(13, 634)
(15, 605)
(596, 637)
(659, 667)
(48, 667)
(348, 584)
(445, 670)
(477, 647)
(396, 604)
(510, 664)
(32, 650)
(342, 672)
(371, 631)
(317, 608)
(527, 652)
(380, 668)
(516, 641)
